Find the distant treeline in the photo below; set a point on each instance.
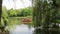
(19, 12)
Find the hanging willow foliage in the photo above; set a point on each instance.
(45, 14)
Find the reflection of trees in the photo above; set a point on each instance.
(45, 14)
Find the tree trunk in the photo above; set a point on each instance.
(0, 10)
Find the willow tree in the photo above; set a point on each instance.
(44, 13)
(37, 14)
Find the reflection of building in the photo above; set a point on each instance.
(27, 21)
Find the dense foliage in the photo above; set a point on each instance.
(46, 14)
(20, 12)
(4, 16)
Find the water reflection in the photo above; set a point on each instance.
(22, 29)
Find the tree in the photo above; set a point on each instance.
(0, 10)
(45, 13)
(37, 15)
(4, 16)
(12, 12)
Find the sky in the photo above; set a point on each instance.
(16, 4)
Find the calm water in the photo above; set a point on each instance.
(22, 29)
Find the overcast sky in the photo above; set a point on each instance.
(18, 4)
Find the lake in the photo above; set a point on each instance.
(22, 29)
